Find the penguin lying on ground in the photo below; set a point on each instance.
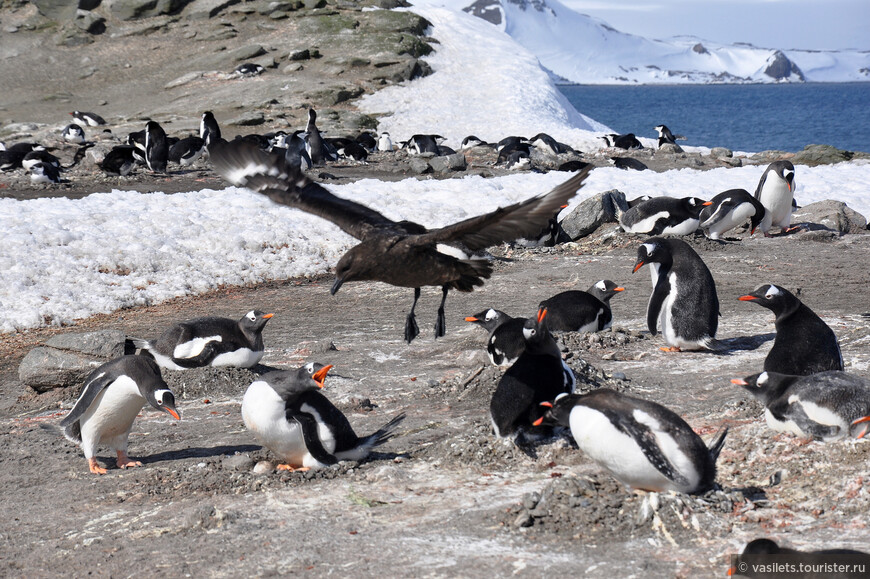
(663, 216)
(825, 406)
(506, 341)
(579, 311)
(683, 297)
(291, 418)
(112, 396)
(642, 444)
(729, 209)
(804, 344)
(210, 341)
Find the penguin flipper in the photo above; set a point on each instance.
(365, 444)
(809, 426)
(312, 440)
(656, 301)
(646, 440)
(94, 385)
(208, 353)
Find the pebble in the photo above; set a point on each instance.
(264, 467)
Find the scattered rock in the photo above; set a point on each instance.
(721, 152)
(813, 155)
(241, 462)
(834, 215)
(591, 213)
(66, 359)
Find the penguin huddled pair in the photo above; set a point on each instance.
(291, 418)
(642, 444)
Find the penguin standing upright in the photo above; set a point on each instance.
(825, 406)
(210, 341)
(112, 396)
(506, 341)
(776, 192)
(289, 416)
(156, 148)
(663, 216)
(683, 297)
(804, 343)
(642, 444)
(666, 137)
(314, 143)
(579, 311)
(209, 130)
(729, 209)
(385, 144)
(538, 375)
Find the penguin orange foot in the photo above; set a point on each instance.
(670, 349)
(125, 462)
(291, 468)
(95, 467)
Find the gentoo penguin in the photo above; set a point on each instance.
(291, 418)
(34, 157)
(642, 444)
(825, 406)
(156, 148)
(683, 297)
(314, 143)
(579, 311)
(73, 133)
(87, 119)
(538, 375)
(755, 562)
(44, 173)
(663, 216)
(506, 341)
(638, 200)
(249, 69)
(626, 163)
(665, 136)
(186, 151)
(385, 144)
(112, 396)
(209, 130)
(403, 253)
(210, 341)
(804, 344)
(119, 161)
(729, 209)
(627, 141)
(776, 192)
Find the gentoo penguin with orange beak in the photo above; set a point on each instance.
(776, 192)
(113, 395)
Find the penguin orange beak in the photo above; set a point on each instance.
(547, 404)
(638, 265)
(865, 430)
(471, 319)
(619, 289)
(739, 382)
(538, 421)
(542, 313)
(320, 375)
(173, 412)
(706, 204)
(747, 298)
(267, 316)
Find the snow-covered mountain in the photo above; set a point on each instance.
(581, 49)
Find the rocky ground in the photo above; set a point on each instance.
(444, 498)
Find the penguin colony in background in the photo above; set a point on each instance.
(644, 445)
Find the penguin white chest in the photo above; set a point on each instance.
(667, 313)
(241, 358)
(776, 198)
(110, 417)
(263, 412)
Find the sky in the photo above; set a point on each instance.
(783, 24)
(66, 259)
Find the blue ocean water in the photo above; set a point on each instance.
(744, 117)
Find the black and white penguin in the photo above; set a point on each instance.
(291, 418)
(728, 210)
(471, 141)
(663, 216)
(776, 192)
(186, 151)
(87, 119)
(367, 140)
(518, 160)
(112, 396)
(804, 344)
(638, 200)
(665, 136)
(317, 149)
(684, 295)
(385, 144)
(506, 341)
(572, 166)
(626, 141)
(547, 144)
(156, 147)
(349, 149)
(209, 130)
(119, 161)
(538, 375)
(825, 406)
(626, 163)
(295, 154)
(34, 157)
(44, 173)
(210, 341)
(420, 144)
(513, 150)
(579, 311)
(249, 69)
(642, 444)
(73, 133)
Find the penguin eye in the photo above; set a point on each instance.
(533, 332)
(252, 316)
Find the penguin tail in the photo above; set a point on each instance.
(141, 344)
(377, 438)
(71, 432)
(716, 447)
(714, 345)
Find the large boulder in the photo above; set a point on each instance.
(813, 155)
(592, 213)
(831, 214)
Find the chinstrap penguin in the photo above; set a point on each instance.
(825, 406)
(663, 216)
(627, 141)
(579, 311)
(249, 69)
(186, 151)
(642, 444)
(684, 296)
(210, 341)
(775, 191)
(44, 173)
(505, 342)
(156, 147)
(73, 133)
(728, 210)
(385, 144)
(111, 398)
(87, 119)
(119, 161)
(804, 344)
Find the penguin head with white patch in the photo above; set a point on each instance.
(152, 386)
(254, 320)
(785, 171)
(653, 250)
(290, 384)
(164, 400)
(773, 297)
(557, 412)
(604, 290)
(766, 386)
(316, 371)
(695, 205)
